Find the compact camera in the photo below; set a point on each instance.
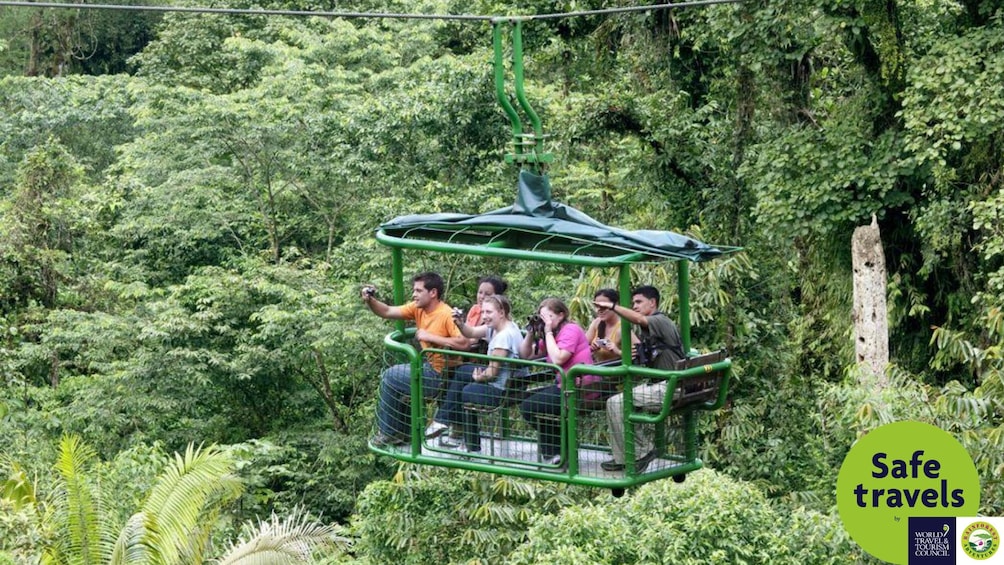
(369, 291)
(603, 342)
(458, 313)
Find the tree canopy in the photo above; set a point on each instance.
(187, 210)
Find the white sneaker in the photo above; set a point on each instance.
(435, 429)
(451, 442)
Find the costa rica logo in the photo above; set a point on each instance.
(980, 540)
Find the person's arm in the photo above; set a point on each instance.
(526, 347)
(591, 332)
(475, 332)
(626, 313)
(612, 346)
(616, 344)
(442, 342)
(557, 355)
(379, 308)
(491, 372)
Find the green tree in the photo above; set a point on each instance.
(88, 116)
(710, 518)
(38, 233)
(427, 515)
(59, 42)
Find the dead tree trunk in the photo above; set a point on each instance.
(871, 318)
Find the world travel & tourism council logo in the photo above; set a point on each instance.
(932, 541)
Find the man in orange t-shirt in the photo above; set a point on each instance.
(435, 328)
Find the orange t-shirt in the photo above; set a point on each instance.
(438, 322)
(474, 316)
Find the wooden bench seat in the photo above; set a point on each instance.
(699, 388)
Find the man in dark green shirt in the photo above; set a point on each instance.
(660, 348)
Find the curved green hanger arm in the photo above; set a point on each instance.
(529, 146)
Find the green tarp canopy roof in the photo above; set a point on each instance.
(537, 224)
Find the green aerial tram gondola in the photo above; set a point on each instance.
(536, 229)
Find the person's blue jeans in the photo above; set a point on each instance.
(545, 402)
(485, 395)
(393, 413)
(450, 410)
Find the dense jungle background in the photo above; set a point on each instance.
(188, 207)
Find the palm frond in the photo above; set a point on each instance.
(192, 487)
(277, 541)
(130, 547)
(77, 519)
(196, 544)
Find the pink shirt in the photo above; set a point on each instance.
(571, 338)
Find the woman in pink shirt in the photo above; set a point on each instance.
(565, 344)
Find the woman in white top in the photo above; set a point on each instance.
(488, 388)
(443, 419)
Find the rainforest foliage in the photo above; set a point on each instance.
(187, 208)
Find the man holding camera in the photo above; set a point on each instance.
(660, 347)
(435, 328)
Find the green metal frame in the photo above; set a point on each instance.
(396, 341)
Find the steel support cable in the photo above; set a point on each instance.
(359, 15)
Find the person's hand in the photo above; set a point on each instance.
(424, 335)
(549, 321)
(458, 316)
(603, 304)
(367, 292)
(478, 375)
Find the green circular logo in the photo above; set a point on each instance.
(902, 470)
(980, 540)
